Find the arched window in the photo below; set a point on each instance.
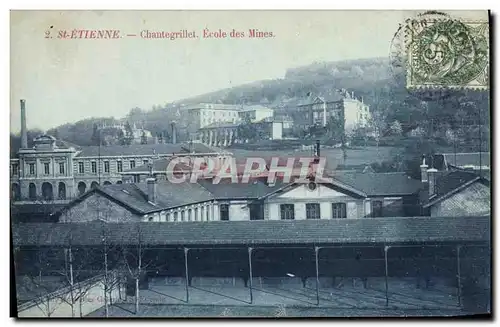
(107, 183)
(94, 185)
(182, 215)
(202, 213)
(195, 214)
(61, 191)
(176, 216)
(47, 192)
(189, 214)
(119, 182)
(16, 192)
(168, 217)
(32, 191)
(82, 187)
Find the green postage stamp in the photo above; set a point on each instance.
(446, 52)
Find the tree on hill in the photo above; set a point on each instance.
(129, 135)
(96, 137)
(144, 138)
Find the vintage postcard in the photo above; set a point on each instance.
(250, 163)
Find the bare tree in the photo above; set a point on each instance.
(135, 262)
(34, 287)
(113, 268)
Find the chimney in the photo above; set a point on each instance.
(423, 171)
(174, 134)
(432, 181)
(24, 132)
(317, 149)
(151, 182)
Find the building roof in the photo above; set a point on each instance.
(131, 150)
(134, 196)
(379, 184)
(462, 160)
(225, 189)
(246, 233)
(159, 165)
(452, 182)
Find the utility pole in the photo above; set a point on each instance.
(99, 158)
(480, 145)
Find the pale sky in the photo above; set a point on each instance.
(65, 80)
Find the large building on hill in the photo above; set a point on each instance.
(340, 104)
(53, 171)
(206, 114)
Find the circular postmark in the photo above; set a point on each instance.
(433, 56)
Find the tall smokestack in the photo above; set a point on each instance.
(24, 132)
(174, 134)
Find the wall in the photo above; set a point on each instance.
(97, 207)
(277, 131)
(93, 300)
(239, 210)
(323, 195)
(474, 200)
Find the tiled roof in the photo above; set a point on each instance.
(225, 189)
(168, 195)
(381, 184)
(159, 165)
(451, 182)
(130, 150)
(467, 159)
(247, 233)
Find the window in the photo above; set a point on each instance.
(46, 168)
(32, 168)
(195, 214)
(182, 215)
(119, 166)
(339, 210)
(190, 214)
(176, 216)
(132, 164)
(81, 168)
(376, 208)
(94, 167)
(145, 161)
(287, 211)
(202, 213)
(224, 212)
(61, 168)
(208, 213)
(167, 218)
(15, 169)
(106, 166)
(313, 211)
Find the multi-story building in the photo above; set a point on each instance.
(204, 114)
(341, 105)
(255, 113)
(52, 171)
(211, 114)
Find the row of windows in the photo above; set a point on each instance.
(313, 210)
(197, 214)
(119, 166)
(223, 113)
(46, 168)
